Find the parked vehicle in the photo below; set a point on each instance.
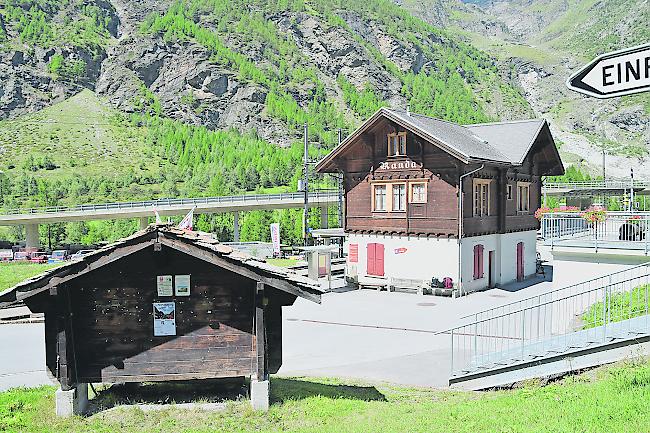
(59, 256)
(21, 255)
(79, 254)
(38, 257)
(6, 255)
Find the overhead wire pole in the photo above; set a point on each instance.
(305, 186)
(340, 185)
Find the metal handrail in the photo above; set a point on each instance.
(597, 184)
(162, 202)
(530, 298)
(549, 326)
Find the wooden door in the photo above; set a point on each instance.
(520, 261)
(375, 259)
(491, 269)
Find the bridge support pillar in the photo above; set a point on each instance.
(144, 223)
(324, 216)
(236, 226)
(31, 236)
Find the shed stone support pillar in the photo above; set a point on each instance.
(31, 236)
(324, 215)
(72, 402)
(144, 223)
(260, 394)
(236, 226)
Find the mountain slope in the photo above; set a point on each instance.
(208, 97)
(545, 41)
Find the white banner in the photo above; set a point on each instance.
(275, 238)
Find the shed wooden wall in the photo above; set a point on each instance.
(111, 338)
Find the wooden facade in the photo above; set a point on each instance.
(366, 161)
(99, 320)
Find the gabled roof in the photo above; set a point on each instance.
(499, 143)
(197, 244)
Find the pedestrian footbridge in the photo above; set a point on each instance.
(580, 326)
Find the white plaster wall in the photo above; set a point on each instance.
(509, 243)
(505, 251)
(490, 243)
(423, 259)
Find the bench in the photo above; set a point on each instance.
(409, 285)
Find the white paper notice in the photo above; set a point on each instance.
(165, 285)
(182, 285)
(164, 318)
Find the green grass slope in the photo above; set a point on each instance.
(612, 399)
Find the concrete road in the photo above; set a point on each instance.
(362, 333)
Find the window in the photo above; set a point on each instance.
(418, 192)
(509, 192)
(523, 196)
(399, 197)
(481, 197)
(478, 262)
(397, 144)
(379, 202)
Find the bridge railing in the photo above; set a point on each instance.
(554, 322)
(162, 203)
(629, 230)
(596, 184)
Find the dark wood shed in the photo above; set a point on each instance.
(164, 304)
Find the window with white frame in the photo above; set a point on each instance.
(397, 144)
(379, 198)
(481, 197)
(399, 197)
(418, 192)
(523, 196)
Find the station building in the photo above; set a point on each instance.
(426, 198)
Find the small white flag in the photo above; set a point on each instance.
(158, 220)
(188, 221)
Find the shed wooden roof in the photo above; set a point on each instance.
(198, 244)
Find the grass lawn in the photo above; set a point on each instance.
(620, 306)
(284, 263)
(12, 273)
(613, 399)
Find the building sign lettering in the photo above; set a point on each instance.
(398, 165)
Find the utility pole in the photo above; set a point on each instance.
(305, 186)
(340, 182)
(631, 189)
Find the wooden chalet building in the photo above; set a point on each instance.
(164, 304)
(402, 176)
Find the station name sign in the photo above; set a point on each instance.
(398, 165)
(613, 74)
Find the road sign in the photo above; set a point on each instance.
(613, 74)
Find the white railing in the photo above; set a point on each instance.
(162, 203)
(593, 312)
(596, 184)
(620, 230)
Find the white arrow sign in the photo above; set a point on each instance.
(614, 74)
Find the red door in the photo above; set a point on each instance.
(375, 259)
(520, 261)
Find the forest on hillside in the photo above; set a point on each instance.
(176, 159)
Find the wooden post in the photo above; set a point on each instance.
(260, 334)
(63, 367)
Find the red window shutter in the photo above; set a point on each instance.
(475, 262)
(379, 259)
(480, 261)
(371, 259)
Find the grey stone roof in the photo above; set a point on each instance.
(302, 286)
(507, 142)
(500, 142)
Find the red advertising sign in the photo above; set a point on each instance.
(353, 257)
(401, 250)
